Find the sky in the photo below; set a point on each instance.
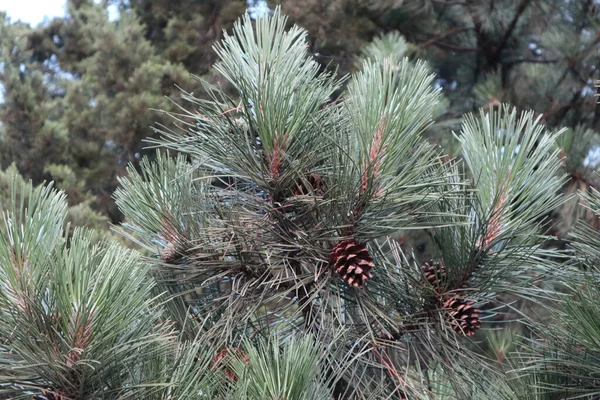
(32, 11)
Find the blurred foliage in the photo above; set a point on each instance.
(77, 98)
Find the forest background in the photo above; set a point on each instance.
(81, 92)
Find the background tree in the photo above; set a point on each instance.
(183, 32)
(100, 80)
(300, 239)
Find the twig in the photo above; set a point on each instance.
(532, 60)
(561, 111)
(456, 48)
(443, 35)
(450, 2)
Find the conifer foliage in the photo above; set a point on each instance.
(261, 257)
(74, 318)
(274, 271)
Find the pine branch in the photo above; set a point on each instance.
(283, 205)
(454, 47)
(449, 2)
(74, 318)
(441, 36)
(521, 60)
(513, 23)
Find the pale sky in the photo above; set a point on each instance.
(32, 11)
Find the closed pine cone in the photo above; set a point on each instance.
(169, 253)
(352, 261)
(462, 315)
(435, 273)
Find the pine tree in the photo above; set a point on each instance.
(275, 269)
(562, 356)
(279, 219)
(78, 98)
(75, 318)
(184, 31)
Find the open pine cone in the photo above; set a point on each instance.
(352, 261)
(435, 273)
(462, 315)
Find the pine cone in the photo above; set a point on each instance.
(222, 359)
(462, 315)
(352, 261)
(317, 186)
(435, 273)
(169, 253)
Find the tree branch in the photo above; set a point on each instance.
(531, 60)
(456, 48)
(513, 24)
(449, 2)
(561, 111)
(434, 40)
